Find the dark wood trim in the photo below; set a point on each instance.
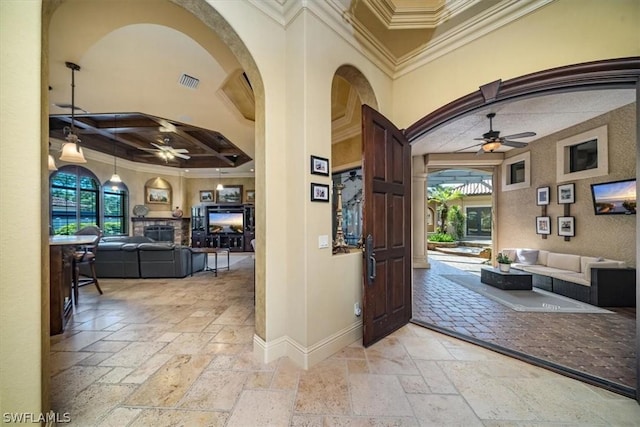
(610, 73)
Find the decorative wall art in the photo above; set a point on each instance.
(542, 197)
(319, 166)
(566, 226)
(229, 194)
(319, 192)
(160, 196)
(566, 194)
(206, 196)
(543, 225)
(250, 196)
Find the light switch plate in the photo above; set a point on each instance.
(323, 241)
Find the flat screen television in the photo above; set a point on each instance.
(614, 198)
(226, 222)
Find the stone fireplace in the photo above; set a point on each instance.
(174, 230)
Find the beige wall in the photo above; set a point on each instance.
(561, 33)
(346, 153)
(22, 262)
(607, 236)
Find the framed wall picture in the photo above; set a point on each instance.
(566, 226)
(250, 196)
(542, 196)
(319, 166)
(566, 193)
(543, 225)
(319, 192)
(161, 196)
(206, 196)
(229, 194)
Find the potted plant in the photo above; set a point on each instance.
(503, 262)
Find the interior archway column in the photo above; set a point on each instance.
(419, 217)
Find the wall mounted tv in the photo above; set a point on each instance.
(225, 222)
(614, 198)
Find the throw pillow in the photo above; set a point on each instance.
(527, 256)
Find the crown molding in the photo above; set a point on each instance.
(490, 20)
(396, 17)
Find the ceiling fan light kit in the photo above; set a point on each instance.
(493, 140)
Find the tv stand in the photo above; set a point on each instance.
(204, 236)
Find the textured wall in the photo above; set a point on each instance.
(346, 152)
(608, 236)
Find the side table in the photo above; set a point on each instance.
(207, 251)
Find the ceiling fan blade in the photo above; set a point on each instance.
(159, 147)
(520, 135)
(479, 152)
(152, 150)
(179, 150)
(182, 156)
(515, 144)
(481, 139)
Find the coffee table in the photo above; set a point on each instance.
(514, 280)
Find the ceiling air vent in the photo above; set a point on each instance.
(188, 81)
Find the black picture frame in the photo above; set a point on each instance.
(566, 226)
(319, 166)
(566, 194)
(543, 196)
(543, 225)
(319, 192)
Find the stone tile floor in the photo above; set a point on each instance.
(178, 352)
(602, 345)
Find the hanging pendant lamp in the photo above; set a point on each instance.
(71, 150)
(219, 186)
(115, 178)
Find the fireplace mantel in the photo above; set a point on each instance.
(180, 227)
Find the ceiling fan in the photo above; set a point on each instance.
(167, 152)
(492, 139)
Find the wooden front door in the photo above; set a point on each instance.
(386, 227)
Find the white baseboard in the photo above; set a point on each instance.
(306, 357)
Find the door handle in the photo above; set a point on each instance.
(371, 259)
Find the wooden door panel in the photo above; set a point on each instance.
(387, 225)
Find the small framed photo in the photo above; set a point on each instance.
(566, 193)
(542, 197)
(319, 192)
(319, 166)
(206, 196)
(543, 225)
(566, 226)
(250, 196)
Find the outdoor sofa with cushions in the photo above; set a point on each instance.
(142, 257)
(597, 281)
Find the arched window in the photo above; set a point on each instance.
(74, 202)
(116, 205)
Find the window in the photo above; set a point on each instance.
(351, 205)
(516, 173)
(116, 206)
(74, 199)
(583, 156)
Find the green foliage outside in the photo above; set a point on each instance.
(443, 196)
(441, 238)
(456, 220)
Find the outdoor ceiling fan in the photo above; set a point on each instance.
(492, 139)
(167, 152)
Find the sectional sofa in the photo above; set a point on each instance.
(141, 257)
(597, 281)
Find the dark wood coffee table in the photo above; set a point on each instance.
(514, 280)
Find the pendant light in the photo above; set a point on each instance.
(115, 178)
(52, 162)
(219, 186)
(71, 150)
